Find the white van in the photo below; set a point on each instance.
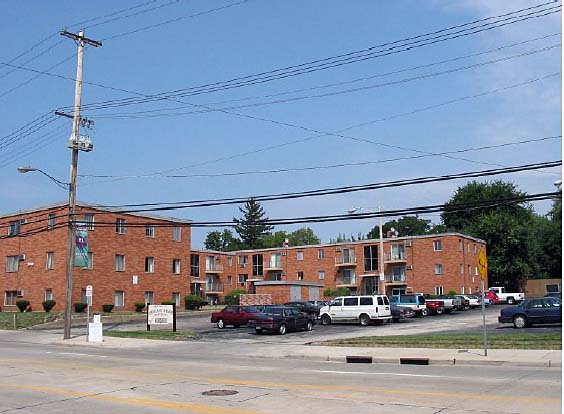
(360, 309)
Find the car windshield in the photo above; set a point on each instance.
(275, 311)
(250, 309)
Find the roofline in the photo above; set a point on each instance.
(95, 207)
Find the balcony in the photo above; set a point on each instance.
(346, 281)
(214, 287)
(275, 266)
(345, 261)
(214, 268)
(396, 279)
(395, 257)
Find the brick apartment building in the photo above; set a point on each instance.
(145, 258)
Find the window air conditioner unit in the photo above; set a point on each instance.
(23, 221)
(283, 253)
(20, 293)
(408, 267)
(243, 265)
(408, 243)
(22, 257)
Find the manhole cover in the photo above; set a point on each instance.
(220, 393)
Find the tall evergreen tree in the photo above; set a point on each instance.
(252, 227)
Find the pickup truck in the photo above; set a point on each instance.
(506, 297)
(414, 301)
(450, 302)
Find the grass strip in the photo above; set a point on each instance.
(160, 335)
(456, 341)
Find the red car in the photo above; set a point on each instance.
(234, 315)
(435, 307)
(490, 294)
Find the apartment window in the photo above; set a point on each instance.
(468, 247)
(257, 265)
(229, 280)
(321, 275)
(149, 298)
(119, 300)
(195, 265)
(438, 290)
(51, 221)
(475, 249)
(370, 258)
(469, 290)
(438, 269)
(120, 262)
(12, 263)
(300, 276)
(320, 254)
(149, 264)
(461, 269)
(10, 298)
(50, 260)
(48, 294)
(277, 276)
(437, 245)
(469, 269)
(242, 260)
(276, 260)
(242, 279)
(177, 233)
(89, 221)
(176, 266)
(229, 261)
(300, 255)
(398, 274)
(150, 231)
(460, 245)
(14, 228)
(462, 290)
(120, 226)
(176, 298)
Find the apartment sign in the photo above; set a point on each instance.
(81, 247)
(161, 315)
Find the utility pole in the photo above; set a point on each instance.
(76, 143)
(382, 259)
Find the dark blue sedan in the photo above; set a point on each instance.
(533, 311)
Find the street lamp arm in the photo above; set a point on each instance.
(60, 183)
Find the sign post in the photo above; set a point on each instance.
(482, 263)
(88, 304)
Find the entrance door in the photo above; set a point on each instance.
(370, 285)
(295, 293)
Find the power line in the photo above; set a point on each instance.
(323, 167)
(301, 68)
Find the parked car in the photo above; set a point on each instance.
(360, 309)
(509, 297)
(414, 301)
(320, 303)
(474, 301)
(281, 319)
(465, 302)
(450, 302)
(491, 296)
(234, 315)
(305, 307)
(554, 295)
(435, 307)
(401, 312)
(532, 311)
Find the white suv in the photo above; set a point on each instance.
(360, 309)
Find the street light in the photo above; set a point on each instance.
(353, 210)
(71, 187)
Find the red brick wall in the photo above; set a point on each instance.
(256, 299)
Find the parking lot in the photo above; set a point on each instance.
(456, 322)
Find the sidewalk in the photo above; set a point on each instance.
(425, 356)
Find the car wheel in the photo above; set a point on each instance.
(364, 319)
(309, 326)
(220, 324)
(236, 326)
(520, 321)
(440, 311)
(510, 301)
(282, 329)
(258, 331)
(424, 312)
(325, 320)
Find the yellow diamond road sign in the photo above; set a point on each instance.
(482, 264)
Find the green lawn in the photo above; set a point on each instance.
(162, 335)
(457, 341)
(25, 319)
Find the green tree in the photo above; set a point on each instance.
(547, 233)
(506, 228)
(252, 227)
(405, 226)
(303, 237)
(275, 239)
(221, 241)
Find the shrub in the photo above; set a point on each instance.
(168, 302)
(22, 305)
(451, 292)
(193, 302)
(107, 308)
(139, 306)
(48, 305)
(331, 293)
(79, 307)
(232, 298)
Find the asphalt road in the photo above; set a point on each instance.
(456, 322)
(177, 377)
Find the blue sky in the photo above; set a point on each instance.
(257, 36)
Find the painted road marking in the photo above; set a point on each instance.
(76, 353)
(206, 409)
